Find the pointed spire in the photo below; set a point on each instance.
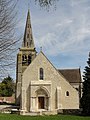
(28, 37)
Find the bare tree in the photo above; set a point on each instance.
(7, 35)
(8, 41)
(46, 3)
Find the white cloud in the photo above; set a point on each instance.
(64, 23)
(77, 2)
(68, 32)
(65, 30)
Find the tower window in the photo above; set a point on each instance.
(31, 36)
(41, 73)
(29, 59)
(27, 35)
(24, 59)
(27, 44)
(67, 93)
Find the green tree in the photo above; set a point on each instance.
(85, 100)
(7, 87)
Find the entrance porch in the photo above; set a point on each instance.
(41, 102)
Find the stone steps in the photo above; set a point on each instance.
(38, 113)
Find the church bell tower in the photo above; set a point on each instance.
(26, 55)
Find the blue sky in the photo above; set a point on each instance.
(64, 33)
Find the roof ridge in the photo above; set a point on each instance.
(69, 69)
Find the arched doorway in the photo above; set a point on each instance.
(42, 99)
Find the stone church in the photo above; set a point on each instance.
(40, 87)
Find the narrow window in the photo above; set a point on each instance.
(24, 59)
(27, 35)
(67, 93)
(29, 59)
(41, 73)
(27, 44)
(31, 36)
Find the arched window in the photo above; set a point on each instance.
(24, 59)
(67, 93)
(29, 59)
(41, 73)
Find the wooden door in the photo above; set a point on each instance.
(41, 102)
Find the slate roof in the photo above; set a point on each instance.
(72, 75)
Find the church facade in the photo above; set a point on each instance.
(40, 87)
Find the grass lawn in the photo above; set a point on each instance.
(53, 117)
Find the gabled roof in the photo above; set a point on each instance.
(41, 53)
(72, 75)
